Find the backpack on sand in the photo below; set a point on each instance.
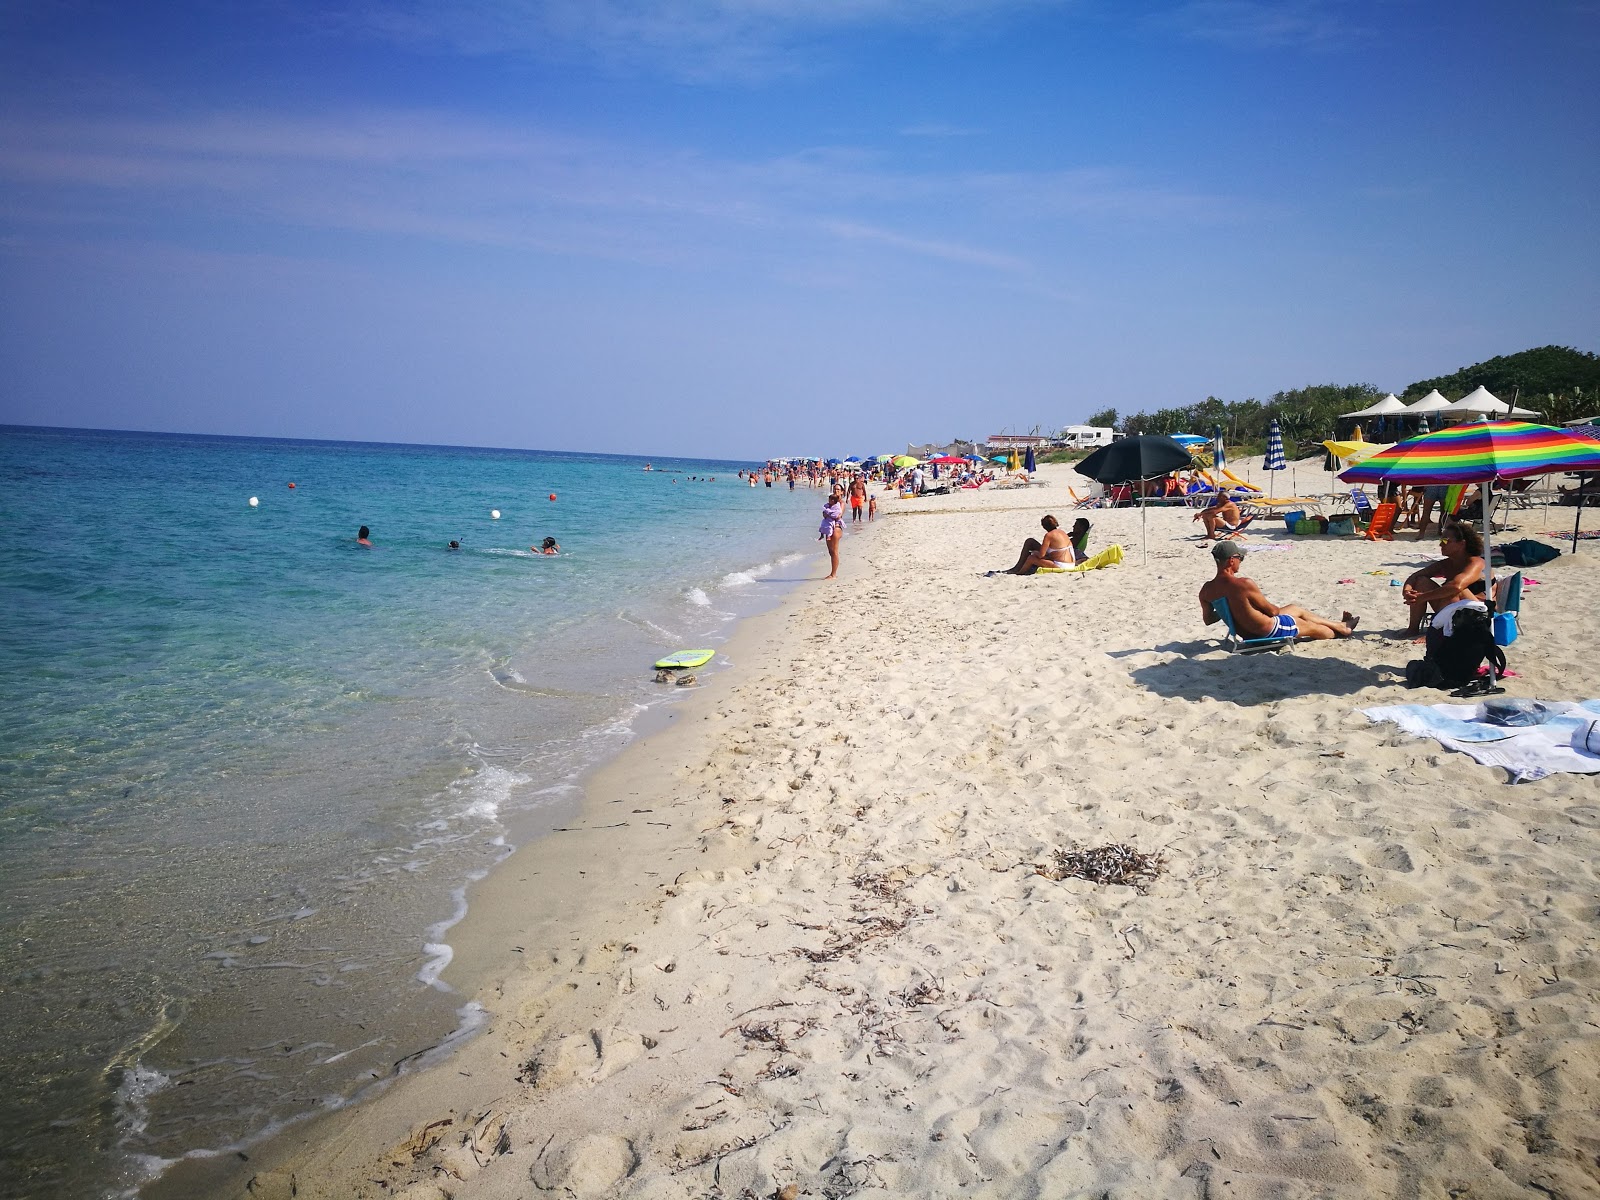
(1453, 661)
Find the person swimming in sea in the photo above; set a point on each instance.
(362, 536)
(548, 546)
(454, 545)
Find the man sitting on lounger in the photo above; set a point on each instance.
(1222, 512)
(1254, 616)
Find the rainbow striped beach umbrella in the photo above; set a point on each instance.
(1484, 452)
(1478, 453)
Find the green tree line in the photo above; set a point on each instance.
(1560, 383)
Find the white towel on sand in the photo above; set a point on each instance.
(1527, 751)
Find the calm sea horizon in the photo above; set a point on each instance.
(250, 768)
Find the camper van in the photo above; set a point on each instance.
(1085, 437)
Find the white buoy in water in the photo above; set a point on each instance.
(254, 501)
(495, 513)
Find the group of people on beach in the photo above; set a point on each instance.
(1057, 550)
(832, 528)
(1456, 576)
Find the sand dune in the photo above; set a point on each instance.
(826, 962)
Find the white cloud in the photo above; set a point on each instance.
(1261, 24)
(689, 39)
(425, 176)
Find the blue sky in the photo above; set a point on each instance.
(775, 226)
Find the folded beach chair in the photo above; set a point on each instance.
(1244, 645)
(1245, 521)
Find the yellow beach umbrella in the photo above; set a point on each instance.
(1354, 451)
(905, 460)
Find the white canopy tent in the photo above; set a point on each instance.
(1480, 402)
(1383, 408)
(1432, 402)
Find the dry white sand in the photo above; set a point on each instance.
(803, 948)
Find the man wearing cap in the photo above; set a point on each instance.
(1255, 616)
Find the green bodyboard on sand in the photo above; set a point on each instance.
(685, 658)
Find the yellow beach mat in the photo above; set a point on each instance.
(1109, 557)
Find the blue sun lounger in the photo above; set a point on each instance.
(1244, 645)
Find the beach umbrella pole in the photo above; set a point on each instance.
(1488, 562)
(1578, 519)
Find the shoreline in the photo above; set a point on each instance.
(1367, 967)
(489, 940)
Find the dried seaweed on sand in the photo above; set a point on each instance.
(1116, 863)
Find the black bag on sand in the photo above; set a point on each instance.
(1453, 661)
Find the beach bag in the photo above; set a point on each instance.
(1293, 517)
(1422, 672)
(1342, 525)
(1528, 553)
(1469, 645)
(1505, 628)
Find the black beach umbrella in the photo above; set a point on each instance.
(1132, 459)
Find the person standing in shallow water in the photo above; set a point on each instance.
(832, 528)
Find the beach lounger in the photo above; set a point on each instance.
(1109, 557)
(1244, 645)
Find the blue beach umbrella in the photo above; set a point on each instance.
(1275, 460)
(1028, 465)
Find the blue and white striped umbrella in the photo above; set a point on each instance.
(1422, 424)
(1218, 457)
(1275, 460)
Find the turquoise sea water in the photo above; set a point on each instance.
(248, 767)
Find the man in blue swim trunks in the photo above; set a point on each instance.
(1254, 616)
